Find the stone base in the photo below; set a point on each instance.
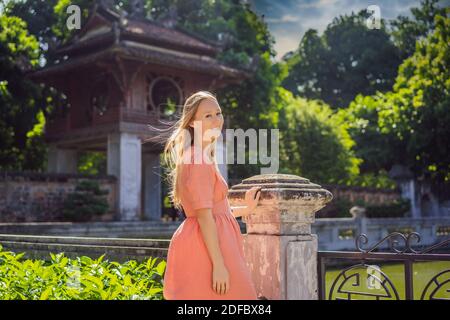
(283, 267)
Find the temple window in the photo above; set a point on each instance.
(164, 96)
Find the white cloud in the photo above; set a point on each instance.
(284, 44)
(317, 4)
(284, 19)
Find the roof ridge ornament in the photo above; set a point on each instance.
(137, 9)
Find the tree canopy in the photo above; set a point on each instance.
(21, 102)
(409, 125)
(348, 59)
(315, 142)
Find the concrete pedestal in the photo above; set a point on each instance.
(124, 162)
(279, 248)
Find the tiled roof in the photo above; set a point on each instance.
(200, 64)
(141, 30)
(153, 31)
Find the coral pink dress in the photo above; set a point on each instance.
(188, 274)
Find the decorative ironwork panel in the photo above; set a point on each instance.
(351, 282)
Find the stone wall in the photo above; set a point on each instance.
(368, 195)
(30, 197)
(354, 194)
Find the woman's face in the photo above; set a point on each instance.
(209, 118)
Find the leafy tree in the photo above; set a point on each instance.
(406, 30)
(348, 59)
(40, 17)
(409, 125)
(315, 142)
(379, 150)
(21, 101)
(46, 20)
(417, 111)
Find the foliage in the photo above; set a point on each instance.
(46, 21)
(347, 60)
(315, 143)
(86, 201)
(397, 208)
(409, 125)
(82, 278)
(378, 149)
(340, 208)
(378, 180)
(21, 102)
(417, 111)
(93, 163)
(406, 31)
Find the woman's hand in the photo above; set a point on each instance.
(251, 201)
(252, 197)
(221, 280)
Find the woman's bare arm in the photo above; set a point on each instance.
(209, 231)
(220, 275)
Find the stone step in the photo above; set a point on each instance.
(100, 229)
(95, 241)
(114, 229)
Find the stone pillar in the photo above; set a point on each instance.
(408, 190)
(359, 215)
(124, 162)
(62, 160)
(279, 248)
(407, 184)
(152, 186)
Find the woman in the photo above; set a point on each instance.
(205, 259)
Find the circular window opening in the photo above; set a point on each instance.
(165, 95)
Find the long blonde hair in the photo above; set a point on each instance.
(179, 140)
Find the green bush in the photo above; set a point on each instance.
(63, 278)
(342, 208)
(86, 201)
(398, 208)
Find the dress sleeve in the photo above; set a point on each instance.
(200, 185)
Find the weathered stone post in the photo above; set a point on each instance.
(279, 248)
(359, 215)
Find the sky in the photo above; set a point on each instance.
(289, 19)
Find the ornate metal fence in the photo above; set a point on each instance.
(363, 280)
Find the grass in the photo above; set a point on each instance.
(423, 272)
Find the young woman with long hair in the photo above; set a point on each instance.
(206, 258)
